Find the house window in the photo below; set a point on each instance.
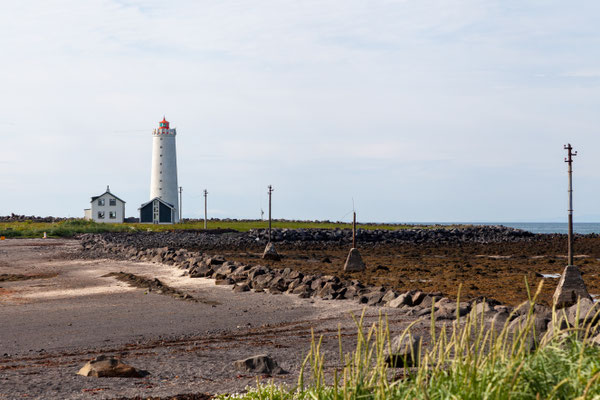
(100, 214)
(112, 215)
(101, 203)
(112, 202)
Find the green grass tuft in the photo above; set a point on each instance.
(69, 228)
(467, 361)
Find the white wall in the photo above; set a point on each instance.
(107, 208)
(163, 181)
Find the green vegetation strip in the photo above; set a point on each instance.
(69, 228)
(465, 361)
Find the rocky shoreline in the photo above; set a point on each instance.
(230, 239)
(258, 278)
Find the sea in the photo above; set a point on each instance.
(542, 227)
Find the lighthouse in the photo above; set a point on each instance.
(162, 207)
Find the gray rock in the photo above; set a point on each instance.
(260, 364)
(499, 319)
(270, 253)
(354, 262)
(417, 297)
(449, 310)
(108, 367)
(239, 288)
(403, 299)
(588, 312)
(570, 288)
(389, 296)
(374, 297)
(216, 260)
(404, 351)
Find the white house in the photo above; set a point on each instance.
(106, 208)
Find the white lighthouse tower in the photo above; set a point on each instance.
(163, 182)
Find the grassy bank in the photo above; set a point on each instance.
(75, 226)
(463, 361)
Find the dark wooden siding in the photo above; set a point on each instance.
(165, 214)
(146, 213)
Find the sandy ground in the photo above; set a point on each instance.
(50, 326)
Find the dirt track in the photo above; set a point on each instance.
(58, 310)
(51, 326)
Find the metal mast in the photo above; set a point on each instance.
(180, 210)
(569, 161)
(270, 191)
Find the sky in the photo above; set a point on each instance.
(408, 110)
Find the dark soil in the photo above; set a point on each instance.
(19, 277)
(155, 285)
(494, 270)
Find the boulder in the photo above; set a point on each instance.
(108, 367)
(404, 350)
(354, 262)
(570, 288)
(241, 287)
(403, 299)
(389, 296)
(216, 260)
(260, 364)
(588, 313)
(417, 297)
(270, 253)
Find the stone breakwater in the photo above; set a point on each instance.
(229, 239)
(469, 234)
(258, 278)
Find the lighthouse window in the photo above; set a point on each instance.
(112, 202)
(100, 214)
(101, 203)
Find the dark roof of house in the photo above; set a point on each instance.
(159, 199)
(96, 197)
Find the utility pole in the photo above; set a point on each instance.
(205, 213)
(270, 191)
(180, 213)
(569, 161)
(354, 231)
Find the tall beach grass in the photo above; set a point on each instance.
(466, 359)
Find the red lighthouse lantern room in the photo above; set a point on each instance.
(164, 124)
